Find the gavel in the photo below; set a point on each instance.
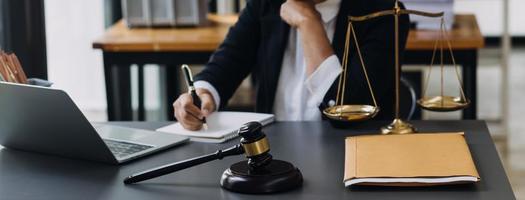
(253, 144)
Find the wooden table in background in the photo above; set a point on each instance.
(171, 47)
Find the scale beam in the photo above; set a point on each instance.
(393, 12)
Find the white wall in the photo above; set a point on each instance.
(489, 15)
(73, 65)
(77, 68)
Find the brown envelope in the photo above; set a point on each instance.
(419, 156)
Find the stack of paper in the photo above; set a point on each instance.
(408, 160)
(423, 22)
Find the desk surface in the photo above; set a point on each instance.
(464, 35)
(315, 148)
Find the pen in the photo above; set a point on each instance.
(191, 89)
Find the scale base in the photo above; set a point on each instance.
(278, 176)
(398, 126)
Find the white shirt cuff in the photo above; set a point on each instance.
(213, 91)
(322, 79)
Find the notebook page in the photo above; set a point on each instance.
(220, 124)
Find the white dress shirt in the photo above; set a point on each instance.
(298, 96)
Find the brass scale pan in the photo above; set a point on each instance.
(348, 113)
(352, 113)
(443, 103)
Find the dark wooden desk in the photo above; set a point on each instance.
(123, 47)
(315, 148)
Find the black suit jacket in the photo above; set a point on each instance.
(256, 43)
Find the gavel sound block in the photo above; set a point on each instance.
(259, 174)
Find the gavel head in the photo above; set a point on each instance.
(255, 145)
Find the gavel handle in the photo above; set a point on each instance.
(173, 167)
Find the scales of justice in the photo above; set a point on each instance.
(342, 112)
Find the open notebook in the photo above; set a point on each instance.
(408, 160)
(222, 126)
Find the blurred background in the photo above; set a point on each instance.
(63, 41)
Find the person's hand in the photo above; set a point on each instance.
(188, 115)
(301, 14)
(297, 13)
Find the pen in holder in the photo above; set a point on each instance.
(11, 70)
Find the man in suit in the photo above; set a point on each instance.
(293, 50)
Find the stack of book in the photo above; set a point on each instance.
(11, 69)
(422, 22)
(226, 7)
(164, 13)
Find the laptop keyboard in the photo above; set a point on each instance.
(121, 149)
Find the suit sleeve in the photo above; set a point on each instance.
(230, 64)
(320, 81)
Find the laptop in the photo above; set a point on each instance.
(46, 120)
